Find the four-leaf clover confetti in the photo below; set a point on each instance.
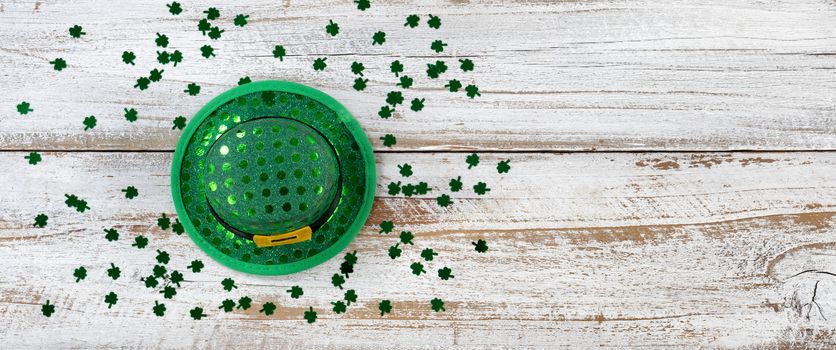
(466, 65)
(227, 305)
(212, 13)
(428, 254)
(240, 20)
(197, 313)
(445, 273)
(33, 158)
(360, 84)
(503, 166)
(437, 305)
(412, 21)
(24, 108)
(244, 303)
(47, 309)
(332, 28)
(453, 85)
(295, 292)
(76, 31)
(406, 237)
(319, 64)
(158, 309)
(111, 234)
(386, 227)
(58, 64)
(444, 200)
(196, 266)
(438, 46)
(480, 246)
(163, 257)
(395, 251)
(481, 188)
(228, 284)
(434, 22)
(268, 308)
(339, 307)
(472, 91)
(130, 192)
(131, 115)
(40, 220)
(207, 51)
(140, 242)
(310, 315)
(405, 170)
(417, 268)
(175, 9)
(161, 40)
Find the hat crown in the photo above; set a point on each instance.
(270, 175)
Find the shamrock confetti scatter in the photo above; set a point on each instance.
(140, 242)
(163, 222)
(386, 227)
(394, 188)
(412, 21)
(228, 284)
(168, 292)
(357, 68)
(212, 13)
(159, 271)
(161, 40)
(268, 308)
(240, 20)
(339, 307)
(472, 160)
(128, 57)
(192, 89)
(179, 123)
(76, 31)
(47, 309)
(244, 80)
(177, 227)
(417, 105)
(111, 234)
(453, 85)
(244, 303)
(156, 75)
(389, 140)
(196, 266)
(394, 251)
(150, 282)
(142, 83)
(80, 273)
(207, 51)
(40, 220)
(417, 268)
(158, 309)
(89, 123)
(480, 246)
(319, 64)
(130, 192)
(24, 108)
(338, 280)
(503, 166)
(114, 272)
(58, 64)
(362, 5)
(279, 52)
(176, 277)
(110, 299)
(73, 201)
(176, 57)
(360, 84)
(434, 22)
(350, 296)
(378, 38)
(481, 188)
(428, 254)
(175, 9)
(405, 82)
(310, 315)
(405, 169)
(385, 307)
(131, 115)
(438, 46)
(163, 257)
(203, 26)
(443, 200)
(445, 273)
(33, 158)
(227, 305)
(215, 33)
(437, 305)
(296, 292)
(396, 67)
(394, 98)
(406, 237)
(472, 91)
(197, 313)
(332, 28)
(163, 57)
(456, 184)
(466, 65)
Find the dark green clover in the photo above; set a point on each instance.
(197, 313)
(417, 104)
(111, 234)
(394, 188)
(163, 222)
(192, 89)
(472, 91)
(196, 266)
(268, 308)
(332, 28)
(114, 272)
(163, 57)
(339, 307)
(385, 307)
(159, 271)
(175, 9)
(142, 83)
(441, 66)
(396, 67)
(130, 192)
(47, 309)
(179, 123)
(163, 257)
(80, 273)
(417, 268)
(406, 237)
(110, 299)
(428, 254)
(140, 242)
(76, 31)
(203, 26)
(244, 80)
(481, 188)
(161, 40)
(207, 51)
(215, 33)
(456, 184)
(310, 315)
(89, 123)
(177, 227)
(131, 115)
(437, 305)
(240, 20)
(389, 140)
(227, 305)
(158, 309)
(386, 227)
(338, 280)
(40, 220)
(228, 284)
(395, 251)
(151, 282)
(434, 22)
(503, 166)
(319, 64)
(378, 38)
(394, 98)
(445, 273)
(350, 296)
(362, 5)
(212, 13)
(296, 292)
(405, 82)
(422, 188)
(412, 21)
(168, 292)
(244, 303)
(357, 68)
(480, 246)
(405, 169)
(472, 160)
(24, 108)
(156, 75)
(437, 46)
(360, 84)
(466, 65)
(176, 57)
(443, 200)
(58, 64)
(176, 277)
(385, 112)
(279, 52)
(408, 190)
(432, 71)
(33, 158)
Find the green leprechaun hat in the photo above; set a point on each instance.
(273, 177)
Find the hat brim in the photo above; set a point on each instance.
(228, 249)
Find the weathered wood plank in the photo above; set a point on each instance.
(605, 250)
(569, 75)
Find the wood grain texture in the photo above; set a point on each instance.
(567, 75)
(662, 250)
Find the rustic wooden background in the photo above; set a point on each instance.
(673, 178)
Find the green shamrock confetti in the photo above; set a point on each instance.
(405, 169)
(159, 271)
(434, 22)
(161, 40)
(131, 115)
(169, 292)
(481, 188)
(362, 5)
(130, 192)
(339, 307)
(156, 75)
(378, 38)
(389, 140)
(279, 52)
(212, 13)
(503, 166)
(73, 201)
(408, 190)
(196, 266)
(114, 272)
(110, 299)
(395, 251)
(338, 280)
(466, 65)
(310, 315)
(456, 184)
(386, 227)
(47, 309)
(58, 64)
(244, 303)
(422, 188)
(396, 67)
(394, 98)
(454, 85)
(351, 258)
(163, 57)
(40, 220)
(428, 254)
(80, 273)
(360, 84)
(445, 273)
(176, 277)
(111, 234)
(394, 188)
(192, 89)
(142, 83)
(215, 33)
(228, 284)
(24, 108)
(417, 268)
(438, 46)
(443, 200)
(175, 9)
(357, 68)
(158, 309)
(480, 246)
(150, 281)
(433, 71)
(176, 57)
(33, 158)
(441, 66)
(140, 242)
(295, 292)
(385, 307)
(406, 237)
(332, 28)
(472, 91)
(244, 80)
(346, 268)
(128, 57)
(472, 160)
(405, 82)
(197, 313)
(163, 222)
(417, 104)
(319, 64)
(240, 20)
(350, 296)
(437, 305)
(268, 308)
(177, 227)
(412, 21)
(203, 26)
(207, 51)
(76, 31)
(179, 123)
(227, 305)
(89, 123)
(163, 257)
